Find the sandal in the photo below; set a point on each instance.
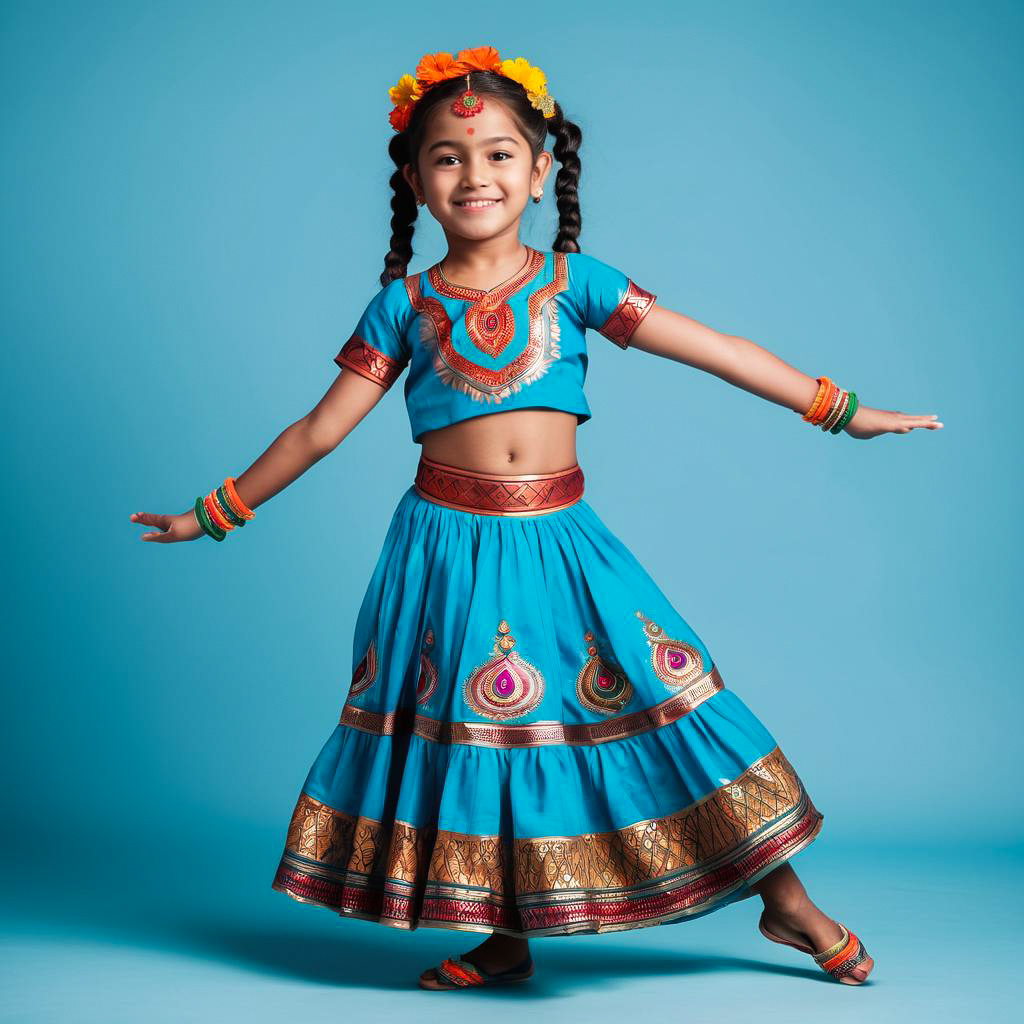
(838, 960)
(463, 974)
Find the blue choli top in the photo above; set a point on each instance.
(471, 352)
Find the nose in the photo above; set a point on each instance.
(474, 172)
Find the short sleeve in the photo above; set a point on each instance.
(378, 349)
(609, 302)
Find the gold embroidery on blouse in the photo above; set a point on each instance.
(490, 322)
(480, 382)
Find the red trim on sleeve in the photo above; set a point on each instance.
(360, 356)
(626, 317)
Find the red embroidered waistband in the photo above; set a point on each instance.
(498, 494)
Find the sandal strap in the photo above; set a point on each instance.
(827, 954)
(840, 959)
(460, 972)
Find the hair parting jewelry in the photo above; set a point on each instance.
(832, 408)
(222, 510)
(467, 103)
(434, 68)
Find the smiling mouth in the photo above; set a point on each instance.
(476, 203)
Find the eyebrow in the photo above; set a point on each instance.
(483, 142)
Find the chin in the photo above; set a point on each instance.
(480, 232)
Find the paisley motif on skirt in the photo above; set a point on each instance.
(602, 685)
(505, 686)
(427, 683)
(675, 662)
(365, 673)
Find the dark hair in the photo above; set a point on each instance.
(405, 146)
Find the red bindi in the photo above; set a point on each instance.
(469, 131)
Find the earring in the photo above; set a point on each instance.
(537, 198)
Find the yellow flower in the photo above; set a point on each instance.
(406, 92)
(543, 102)
(522, 71)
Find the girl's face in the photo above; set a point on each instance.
(483, 158)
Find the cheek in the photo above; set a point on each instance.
(516, 181)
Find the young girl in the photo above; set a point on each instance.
(535, 742)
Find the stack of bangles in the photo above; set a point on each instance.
(222, 510)
(832, 407)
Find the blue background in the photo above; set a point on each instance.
(194, 214)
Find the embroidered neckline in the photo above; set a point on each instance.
(485, 383)
(535, 260)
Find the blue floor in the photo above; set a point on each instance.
(163, 933)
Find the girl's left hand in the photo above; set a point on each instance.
(868, 422)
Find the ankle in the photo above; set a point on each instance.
(789, 905)
(510, 943)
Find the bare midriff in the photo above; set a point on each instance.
(518, 441)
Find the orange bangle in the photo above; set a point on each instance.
(825, 410)
(240, 506)
(826, 391)
(215, 514)
(219, 505)
(829, 407)
(822, 388)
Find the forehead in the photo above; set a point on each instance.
(493, 120)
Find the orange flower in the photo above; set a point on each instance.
(481, 58)
(436, 67)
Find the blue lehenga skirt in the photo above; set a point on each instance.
(534, 740)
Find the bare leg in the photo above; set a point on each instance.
(790, 914)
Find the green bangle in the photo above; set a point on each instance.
(228, 509)
(209, 528)
(848, 415)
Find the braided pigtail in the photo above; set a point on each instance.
(404, 212)
(568, 138)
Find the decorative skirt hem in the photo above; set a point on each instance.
(684, 895)
(739, 892)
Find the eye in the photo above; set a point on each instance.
(450, 156)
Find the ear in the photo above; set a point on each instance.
(541, 169)
(412, 178)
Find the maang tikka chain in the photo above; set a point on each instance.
(468, 102)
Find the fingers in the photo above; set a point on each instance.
(162, 522)
(930, 421)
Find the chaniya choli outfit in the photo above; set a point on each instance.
(534, 740)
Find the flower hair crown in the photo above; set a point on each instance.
(435, 68)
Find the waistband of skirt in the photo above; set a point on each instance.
(498, 494)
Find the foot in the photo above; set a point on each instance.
(804, 924)
(496, 953)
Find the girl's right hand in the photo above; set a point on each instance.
(169, 529)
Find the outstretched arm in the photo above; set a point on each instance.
(747, 365)
(296, 448)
